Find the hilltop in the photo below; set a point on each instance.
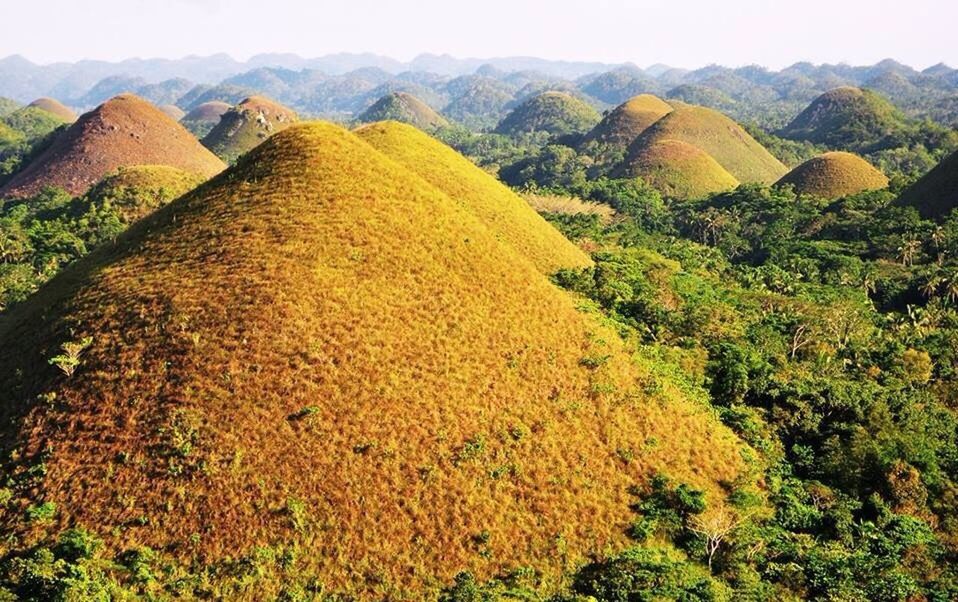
(405, 108)
(246, 125)
(123, 131)
(555, 113)
(506, 214)
(834, 175)
(318, 353)
(173, 112)
(678, 170)
(715, 134)
(55, 107)
(627, 121)
(846, 118)
(935, 195)
(204, 118)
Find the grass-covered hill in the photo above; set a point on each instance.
(322, 359)
(246, 125)
(123, 131)
(55, 107)
(173, 112)
(478, 102)
(935, 194)
(135, 192)
(717, 135)
(33, 123)
(834, 175)
(510, 219)
(627, 121)
(846, 118)
(204, 118)
(555, 113)
(678, 170)
(405, 108)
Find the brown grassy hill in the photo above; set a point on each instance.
(556, 113)
(835, 175)
(204, 118)
(51, 105)
(627, 121)
(678, 170)
(935, 194)
(173, 112)
(246, 125)
(139, 190)
(318, 351)
(124, 131)
(509, 217)
(405, 108)
(717, 135)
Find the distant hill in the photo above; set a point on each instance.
(935, 195)
(846, 118)
(124, 131)
(678, 170)
(33, 122)
(717, 135)
(555, 113)
(55, 107)
(834, 175)
(320, 350)
(627, 121)
(173, 112)
(478, 102)
(506, 215)
(204, 118)
(404, 108)
(246, 125)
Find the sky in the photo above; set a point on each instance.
(680, 33)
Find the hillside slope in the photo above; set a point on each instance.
(846, 118)
(627, 121)
(124, 131)
(678, 170)
(935, 195)
(319, 352)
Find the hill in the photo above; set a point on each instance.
(506, 215)
(478, 102)
(935, 194)
(173, 112)
(320, 354)
(123, 131)
(627, 121)
(55, 107)
(404, 108)
(846, 118)
(32, 122)
(717, 135)
(678, 170)
(139, 190)
(204, 118)
(834, 175)
(246, 125)
(555, 113)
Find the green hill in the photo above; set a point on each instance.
(678, 170)
(935, 195)
(846, 118)
(718, 136)
(247, 125)
(404, 108)
(834, 175)
(555, 113)
(319, 369)
(33, 123)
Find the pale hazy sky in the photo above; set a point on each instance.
(684, 33)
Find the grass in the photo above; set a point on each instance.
(55, 107)
(320, 273)
(720, 137)
(506, 215)
(555, 113)
(568, 205)
(204, 118)
(404, 108)
(627, 121)
(124, 131)
(935, 195)
(679, 170)
(246, 126)
(834, 175)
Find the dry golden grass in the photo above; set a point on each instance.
(834, 175)
(137, 191)
(319, 348)
(501, 210)
(568, 205)
(679, 170)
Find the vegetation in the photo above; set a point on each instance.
(935, 195)
(834, 175)
(678, 170)
(204, 118)
(246, 125)
(552, 113)
(404, 108)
